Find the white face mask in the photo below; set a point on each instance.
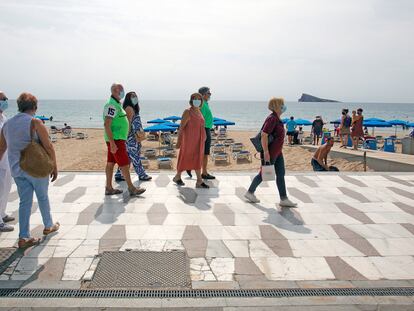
(197, 103)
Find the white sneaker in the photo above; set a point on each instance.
(6, 227)
(287, 203)
(251, 197)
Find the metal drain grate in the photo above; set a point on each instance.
(142, 269)
(270, 293)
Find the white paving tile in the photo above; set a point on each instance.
(75, 268)
(322, 248)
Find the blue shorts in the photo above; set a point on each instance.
(317, 167)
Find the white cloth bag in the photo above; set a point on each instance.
(268, 172)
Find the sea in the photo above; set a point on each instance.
(248, 115)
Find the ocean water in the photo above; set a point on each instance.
(248, 115)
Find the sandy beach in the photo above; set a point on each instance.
(90, 155)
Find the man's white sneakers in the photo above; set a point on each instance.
(287, 203)
(251, 197)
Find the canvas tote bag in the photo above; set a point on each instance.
(34, 159)
(268, 172)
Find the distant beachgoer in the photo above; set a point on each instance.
(208, 118)
(191, 141)
(16, 135)
(291, 127)
(5, 175)
(272, 153)
(357, 131)
(317, 126)
(319, 160)
(116, 133)
(51, 118)
(366, 133)
(345, 128)
(300, 135)
(132, 109)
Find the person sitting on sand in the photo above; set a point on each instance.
(191, 141)
(319, 161)
(116, 133)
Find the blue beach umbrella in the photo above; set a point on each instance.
(410, 124)
(303, 122)
(375, 124)
(338, 121)
(218, 119)
(171, 124)
(159, 128)
(284, 120)
(172, 118)
(223, 123)
(42, 118)
(397, 123)
(374, 120)
(157, 121)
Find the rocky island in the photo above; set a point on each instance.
(310, 98)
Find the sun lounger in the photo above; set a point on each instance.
(169, 152)
(67, 133)
(53, 138)
(242, 155)
(164, 163)
(152, 137)
(236, 147)
(220, 157)
(145, 162)
(229, 141)
(150, 153)
(81, 136)
(219, 148)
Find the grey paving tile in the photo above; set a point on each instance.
(381, 283)
(89, 214)
(291, 215)
(215, 285)
(355, 240)
(405, 207)
(75, 194)
(249, 282)
(402, 192)
(307, 181)
(353, 181)
(188, 195)
(354, 213)
(157, 214)
(194, 242)
(62, 181)
(354, 194)
(246, 271)
(52, 270)
(325, 284)
(342, 270)
(275, 241)
(224, 214)
(409, 227)
(217, 249)
(300, 195)
(398, 180)
(113, 239)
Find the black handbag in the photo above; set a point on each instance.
(257, 141)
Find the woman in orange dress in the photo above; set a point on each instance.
(191, 138)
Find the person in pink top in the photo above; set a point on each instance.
(191, 138)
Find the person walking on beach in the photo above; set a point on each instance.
(357, 128)
(116, 133)
(317, 126)
(273, 153)
(319, 160)
(16, 135)
(208, 118)
(5, 175)
(135, 136)
(291, 127)
(191, 141)
(345, 129)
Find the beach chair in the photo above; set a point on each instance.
(53, 138)
(219, 148)
(53, 131)
(169, 152)
(242, 155)
(67, 133)
(223, 131)
(150, 153)
(164, 163)
(152, 137)
(220, 157)
(81, 135)
(145, 162)
(236, 147)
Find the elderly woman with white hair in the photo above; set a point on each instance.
(272, 153)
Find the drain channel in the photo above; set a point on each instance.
(243, 293)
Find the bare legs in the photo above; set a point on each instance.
(205, 162)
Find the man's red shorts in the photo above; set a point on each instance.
(121, 156)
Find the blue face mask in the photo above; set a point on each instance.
(121, 94)
(4, 104)
(284, 108)
(197, 103)
(134, 100)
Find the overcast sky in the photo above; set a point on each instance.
(350, 50)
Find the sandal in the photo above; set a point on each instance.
(179, 182)
(29, 242)
(136, 191)
(202, 185)
(52, 229)
(112, 191)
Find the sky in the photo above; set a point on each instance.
(349, 50)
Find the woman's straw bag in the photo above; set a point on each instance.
(34, 159)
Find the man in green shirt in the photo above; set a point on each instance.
(116, 133)
(208, 118)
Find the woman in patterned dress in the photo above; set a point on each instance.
(131, 107)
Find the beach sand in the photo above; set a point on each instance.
(90, 155)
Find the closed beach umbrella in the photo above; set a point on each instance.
(223, 123)
(157, 121)
(303, 122)
(172, 118)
